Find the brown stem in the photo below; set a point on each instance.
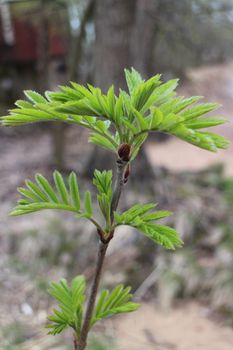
(119, 182)
(75, 343)
(91, 302)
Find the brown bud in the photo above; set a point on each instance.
(124, 151)
(127, 173)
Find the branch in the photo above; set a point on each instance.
(94, 289)
(121, 166)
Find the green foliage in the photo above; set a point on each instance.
(138, 217)
(41, 195)
(103, 182)
(72, 302)
(150, 106)
(113, 303)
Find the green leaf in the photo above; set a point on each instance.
(184, 103)
(102, 141)
(111, 101)
(149, 106)
(137, 143)
(35, 97)
(141, 121)
(103, 182)
(88, 204)
(116, 302)
(199, 110)
(133, 79)
(41, 195)
(61, 187)
(156, 215)
(118, 110)
(204, 122)
(143, 94)
(23, 104)
(164, 235)
(70, 308)
(202, 140)
(138, 217)
(82, 107)
(46, 187)
(74, 190)
(156, 118)
(219, 141)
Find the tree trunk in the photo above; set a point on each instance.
(114, 51)
(43, 49)
(59, 137)
(114, 20)
(144, 37)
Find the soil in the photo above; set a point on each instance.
(184, 328)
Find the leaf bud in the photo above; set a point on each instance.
(127, 173)
(124, 151)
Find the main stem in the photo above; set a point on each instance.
(119, 182)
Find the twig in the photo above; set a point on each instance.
(119, 183)
(121, 165)
(91, 302)
(75, 343)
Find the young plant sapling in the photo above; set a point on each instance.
(121, 124)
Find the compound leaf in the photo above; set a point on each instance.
(141, 217)
(116, 302)
(70, 308)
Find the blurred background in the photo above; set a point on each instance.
(187, 295)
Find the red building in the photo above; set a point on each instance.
(25, 47)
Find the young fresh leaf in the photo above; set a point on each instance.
(103, 182)
(42, 195)
(116, 302)
(138, 217)
(70, 308)
(88, 204)
(74, 190)
(150, 106)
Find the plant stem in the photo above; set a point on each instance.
(119, 182)
(75, 343)
(91, 302)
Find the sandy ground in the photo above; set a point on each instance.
(184, 328)
(216, 84)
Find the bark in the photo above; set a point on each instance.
(144, 36)
(59, 140)
(91, 302)
(43, 49)
(114, 20)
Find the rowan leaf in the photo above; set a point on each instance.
(141, 217)
(116, 302)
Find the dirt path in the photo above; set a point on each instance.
(216, 84)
